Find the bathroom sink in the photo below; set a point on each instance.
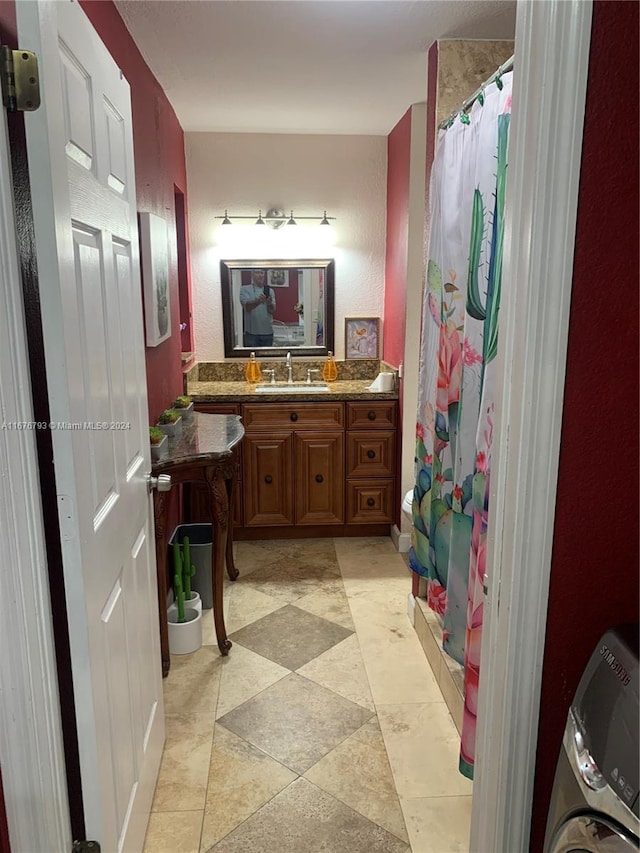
(296, 388)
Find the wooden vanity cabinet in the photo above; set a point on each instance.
(293, 464)
(324, 466)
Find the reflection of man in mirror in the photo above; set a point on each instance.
(259, 304)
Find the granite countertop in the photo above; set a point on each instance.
(244, 392)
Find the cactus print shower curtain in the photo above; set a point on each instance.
(456, 408)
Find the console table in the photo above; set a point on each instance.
(206, 452)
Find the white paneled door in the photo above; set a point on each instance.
(81, 167)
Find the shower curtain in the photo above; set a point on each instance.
(456, 408)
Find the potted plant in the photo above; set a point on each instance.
(159, 444)
(170, 422)
(184, 622)
(184, 406)
(186, 571)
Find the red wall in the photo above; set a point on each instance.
(8, 23)
(395, 286)
(594, 570)
(160, 163)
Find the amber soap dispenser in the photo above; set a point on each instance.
(252, 371)
(329, 369)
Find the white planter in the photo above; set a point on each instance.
(160, 451)
(195, 603)
(184, 637)
(171, 429)
(187, 414)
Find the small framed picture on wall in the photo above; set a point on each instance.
(362, 337)
(278, 278)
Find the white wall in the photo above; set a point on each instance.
(242, 172)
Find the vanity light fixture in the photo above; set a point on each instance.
(276, 218)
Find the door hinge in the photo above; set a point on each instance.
(20, 80)
(85, 847)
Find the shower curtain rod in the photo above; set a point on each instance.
(506, 66)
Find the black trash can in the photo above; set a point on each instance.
(200, 544)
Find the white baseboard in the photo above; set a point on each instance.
(411, 609)
(402, 541)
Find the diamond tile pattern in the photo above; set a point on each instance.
(296, 721)
(292, 726)
(290, 636)
(304, 818)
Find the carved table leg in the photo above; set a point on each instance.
(219, 503)
(230, 483)
(160, 501)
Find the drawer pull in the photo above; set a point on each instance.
(293, 416)
(268, 479)
(319, 478)
(370, 502)
(372, 416)
(371, 454)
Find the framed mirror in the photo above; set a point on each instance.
(274, 307)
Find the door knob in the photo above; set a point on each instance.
(161, 483)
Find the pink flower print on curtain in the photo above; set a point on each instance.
(449, 366)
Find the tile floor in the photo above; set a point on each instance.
(324, 730)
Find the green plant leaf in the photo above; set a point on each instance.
(474, 306)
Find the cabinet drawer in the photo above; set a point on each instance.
(370, 501)
(267, 416)
(218, 408)
(371, 454)
(372, 415)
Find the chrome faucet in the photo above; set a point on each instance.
(289, 377)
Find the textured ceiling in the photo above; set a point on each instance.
(300, 66)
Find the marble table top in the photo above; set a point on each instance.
(205, 438)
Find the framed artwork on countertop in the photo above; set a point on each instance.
(362, 337)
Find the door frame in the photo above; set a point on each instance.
(545, 150)
(31, 744)
(552, 43)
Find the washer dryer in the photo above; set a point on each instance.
(595, 801)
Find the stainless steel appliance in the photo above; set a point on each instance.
(596, 799)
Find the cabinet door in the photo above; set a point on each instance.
(319, 478)
(267, 480)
